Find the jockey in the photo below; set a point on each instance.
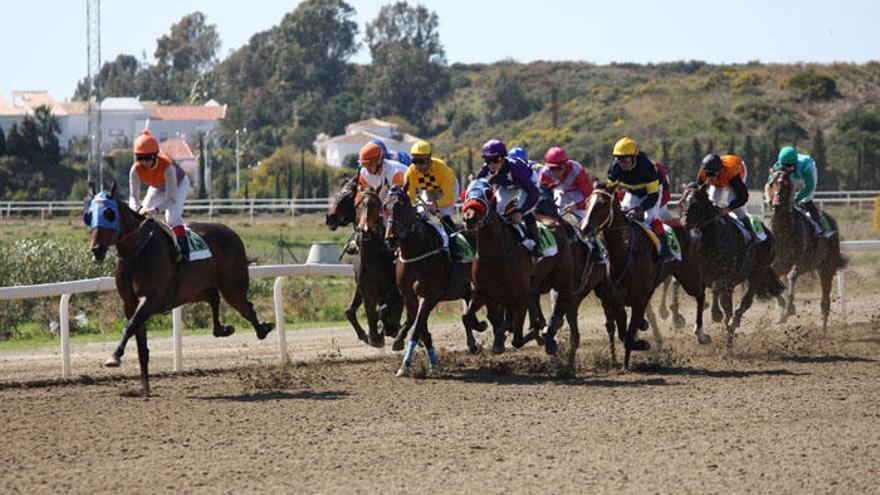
(727, 173)
(638, 176)
(804, 176)
(511, 178)
(434, 181)
(569, 180)
(521, 153)
(168, 187)
(377, 172)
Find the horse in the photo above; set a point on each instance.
(800, 249)
(374, 272)
(503, 273)
(726, 258)
(150, 282)
(425, 275)
(342, 212)
(634, 271)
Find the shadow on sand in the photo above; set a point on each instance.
(271, 395)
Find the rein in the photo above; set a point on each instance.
(141, 246)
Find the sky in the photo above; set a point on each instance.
(44, 41)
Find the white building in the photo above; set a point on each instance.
(333, 150)
(122, 118)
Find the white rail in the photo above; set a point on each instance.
(66, 289)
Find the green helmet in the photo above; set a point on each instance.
(788, 156)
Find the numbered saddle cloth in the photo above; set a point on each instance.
(671, 239)
(546, 240)
(198, 248)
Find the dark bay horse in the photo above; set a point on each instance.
(726, 259)
(372, 272)
(799, 249)
(150, 282)
(634, 270)
(426, 275)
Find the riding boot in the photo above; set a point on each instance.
(814, 215)
(350, 248)
(532, 229)
(182, 249)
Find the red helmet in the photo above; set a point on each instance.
(556, 157)
(146, 144)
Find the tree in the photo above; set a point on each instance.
(507, 100)
(14, 142)
(187, 52)
(2, 142)
(116, 78)
(406, 37)
(49, 129)
(30, 137)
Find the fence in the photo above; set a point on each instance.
(67, 289)
(275, 205)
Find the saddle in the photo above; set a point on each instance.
(198, 248)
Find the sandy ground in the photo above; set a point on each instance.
(787, 411)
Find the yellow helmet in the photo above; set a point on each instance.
(420, 148)
(626, 147)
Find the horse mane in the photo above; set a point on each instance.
(604, 185)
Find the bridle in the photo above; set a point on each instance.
(404, 229)
(609, 219)
(377, 229)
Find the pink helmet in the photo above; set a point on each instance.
(556, 157)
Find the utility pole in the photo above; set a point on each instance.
(93, 49)
(208, 178)
(238, 161)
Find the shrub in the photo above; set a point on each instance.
(811, 86)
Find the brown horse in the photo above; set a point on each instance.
(371, 272)
(635, 271)
(150, 282)
(799, 248)
(374, 272)
(425, 276)
(726, 257)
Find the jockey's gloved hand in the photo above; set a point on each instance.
(635, 213)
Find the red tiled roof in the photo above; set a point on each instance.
(188, 113)
(176, 149)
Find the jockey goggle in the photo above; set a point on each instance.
(145, 158)
(492, 159)
(371, 164)
(788, 167)
(421, 161)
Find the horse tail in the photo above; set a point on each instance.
(770, 286)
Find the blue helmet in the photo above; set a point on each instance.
(402, 157)
(519, 152)
(382, 145)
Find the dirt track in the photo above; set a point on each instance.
(787, 412)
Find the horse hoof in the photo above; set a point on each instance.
(643, 326)
(377, 342)
(704, 339)
(540, 339)
(433, 368)
(362, 336)
(498, 349)
(481, 326)
(518, 342)
(404, 371)
(678, 321)
(475, 349)
(390, 331)
(112, 362)
(551, 347)
(264, 330)
(717, 317)
(223, 331)
(397, 345)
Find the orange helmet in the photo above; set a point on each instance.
(370, 152)
(146, 144)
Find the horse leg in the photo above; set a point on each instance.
(677, 319)
(744, 304)
(632, 342)
(792, 278)
(652, 322)
(419, 329)
(213, 297)
(389, 314)
(700, 297)
(611, 310)
(115, 359)
(537, 322)
(518, 321)
(469, 320)
(351, 314)
(433, 360)
(725, 297)
(574, 339)
(375, 338)
(411, 303)
(664, 311)
(144, 359)
(237, 298)
(717, 316)
(558, 313)
(826, 278)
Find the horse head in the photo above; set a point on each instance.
(602, 207)
(780, 191)
(108, 218)
(341, 211)
(400, 217)
(368, 214)
(695, 206)
(478, 205)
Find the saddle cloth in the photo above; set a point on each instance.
(671, 239)
(198, 248)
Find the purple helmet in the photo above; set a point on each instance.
(494, 148)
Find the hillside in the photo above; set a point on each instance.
(676, 111)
